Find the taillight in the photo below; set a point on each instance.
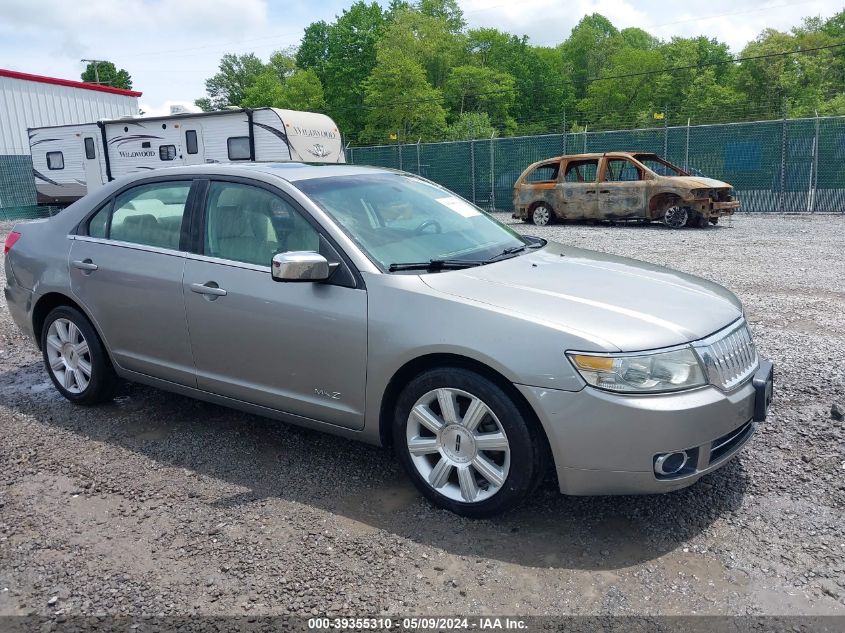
(11, 238)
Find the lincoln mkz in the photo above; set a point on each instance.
(381, 307)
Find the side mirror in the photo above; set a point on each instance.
(301, 266)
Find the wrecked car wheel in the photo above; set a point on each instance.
(676, 217)
(542, 215)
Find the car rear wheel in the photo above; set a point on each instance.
(676, 217)
(465, 444)
(75, 357)
(542, 215)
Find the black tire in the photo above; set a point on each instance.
(102, 382)
(700, 220)
(714, 221)
(526, 443)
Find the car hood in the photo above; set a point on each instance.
(698, 182)
(612, 303)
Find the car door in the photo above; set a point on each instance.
(578, 197)
(300, 348)
(622, 190)
(126, 265)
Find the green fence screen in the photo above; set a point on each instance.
(795, 165)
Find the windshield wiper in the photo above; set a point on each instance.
(513, 250)
(435, 264)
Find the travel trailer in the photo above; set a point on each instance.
(69, 161)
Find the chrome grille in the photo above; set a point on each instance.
(729, 356)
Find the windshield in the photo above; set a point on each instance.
(660, 166)
(399, 219)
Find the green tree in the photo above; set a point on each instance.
(470, 125)
(228, 87)
(314, 48)
(400, 100)
(447, 10)
(284, 63)
(302, 91)
(587, 50)
(621, 101)
(474, 89)
(542, 87)
(107, 74)
(426, 39)
(266, 90)
(350, 58)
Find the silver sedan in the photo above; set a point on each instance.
(379, 306)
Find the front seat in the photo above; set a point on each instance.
(243, 235)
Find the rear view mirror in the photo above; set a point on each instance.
(301, 266)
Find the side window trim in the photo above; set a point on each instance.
(83, 228)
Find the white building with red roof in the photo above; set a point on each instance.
(29, 101)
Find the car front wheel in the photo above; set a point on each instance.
(465, 444)
(75, 357)
(676, 217)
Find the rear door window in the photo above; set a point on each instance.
(89, 148)
(621, 170)
(581, 170)
(150, 214)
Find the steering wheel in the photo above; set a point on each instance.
(422, 227)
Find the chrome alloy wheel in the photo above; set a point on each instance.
(542, 215)
(68, 355)
(676, 217)
(458, 445)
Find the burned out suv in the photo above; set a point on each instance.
(619, 186)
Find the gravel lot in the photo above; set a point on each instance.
(163, 505)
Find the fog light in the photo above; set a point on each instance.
(670, 463)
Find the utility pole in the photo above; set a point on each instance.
(96, 70)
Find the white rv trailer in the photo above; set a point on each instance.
(69, 161)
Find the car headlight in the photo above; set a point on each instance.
(641, 373)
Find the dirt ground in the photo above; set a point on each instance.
(160, 504)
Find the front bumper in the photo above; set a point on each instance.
(606, 444)
(710, 208)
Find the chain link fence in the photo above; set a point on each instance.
(788, 166)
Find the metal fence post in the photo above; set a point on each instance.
(782, 199)
(665, 133)
(419, 167)
(472, 166)
(686, 151)
(351, 152)
(814, 184)
(399, 149)
(563, 143)
(585, 138)
(492, 173)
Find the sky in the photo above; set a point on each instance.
(170, 47)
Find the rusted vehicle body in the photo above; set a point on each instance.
(621, 186)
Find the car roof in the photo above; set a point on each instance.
(290, 171)
(592, 155)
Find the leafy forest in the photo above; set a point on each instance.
(415, 71)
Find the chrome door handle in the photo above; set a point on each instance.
(206, 289)
(84, 264)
